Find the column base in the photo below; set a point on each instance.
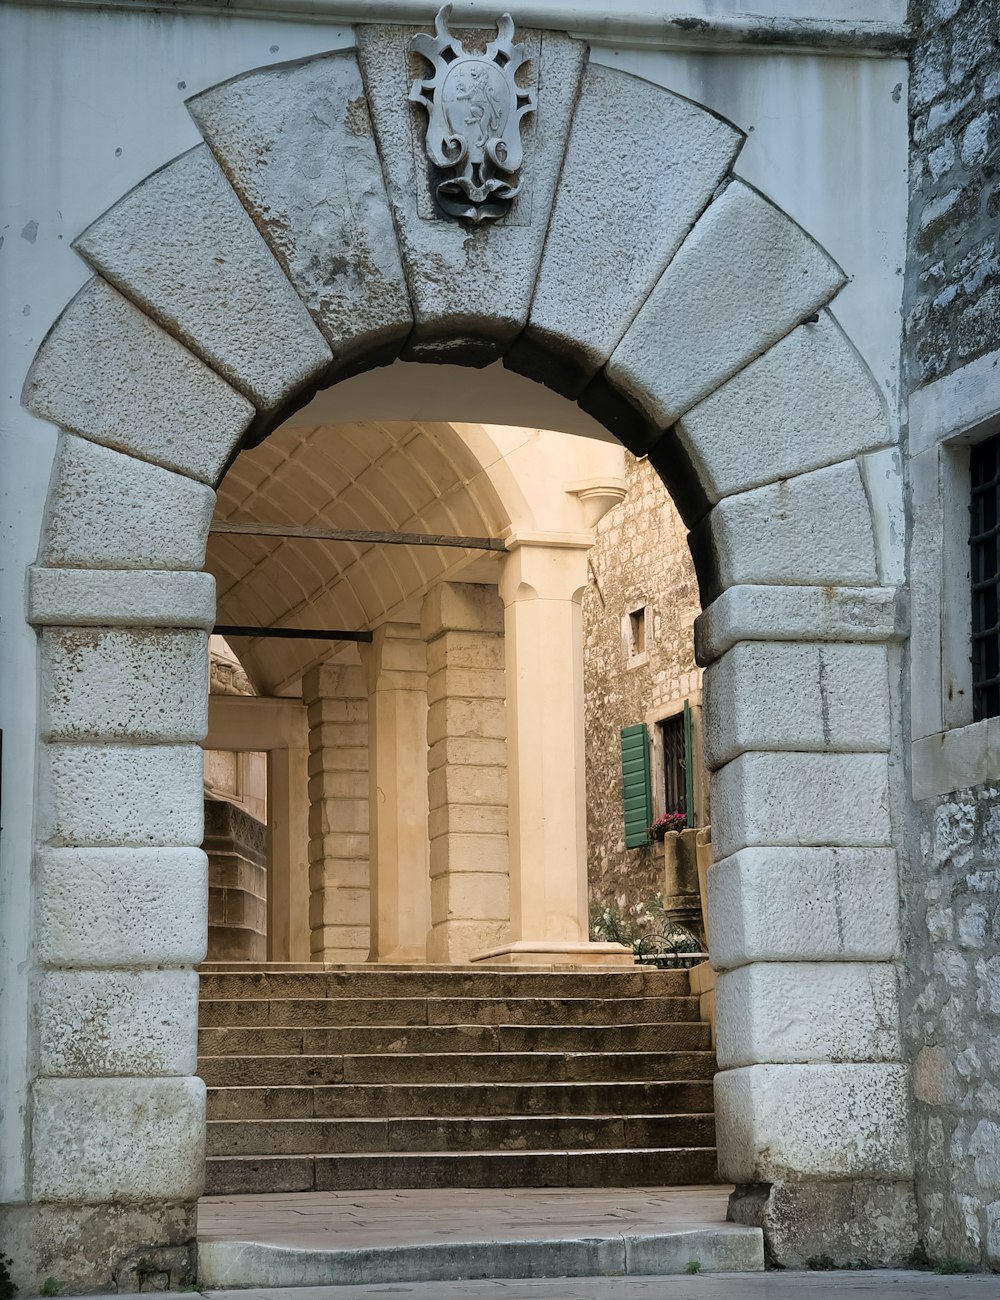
(530, 952)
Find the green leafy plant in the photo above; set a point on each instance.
(693, 1266)
(952, 1265)
(820, 1264)
(7, 1288)
(51, 1286)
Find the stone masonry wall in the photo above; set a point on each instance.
(951, 886)
(640, 557)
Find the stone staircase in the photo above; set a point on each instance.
(392, 1077)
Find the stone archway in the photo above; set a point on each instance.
(638, 276)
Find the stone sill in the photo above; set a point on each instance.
(956, 759)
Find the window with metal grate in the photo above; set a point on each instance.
(678, 769)
(984, 540)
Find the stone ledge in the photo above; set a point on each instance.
(120, 598)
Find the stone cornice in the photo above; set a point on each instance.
(642, 22)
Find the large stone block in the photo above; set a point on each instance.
(801, 799)
(797, 904)
(813, 530)
(183, 248)
(109, 373)
(470, 286)
(97, 1140)
(770, 613)
(121, 907)
(122, 598)
(296, 144)
(110, 1022)
(807, 1012)
(118, 684)
(470, 895)
(129, 795)
(621, 225)
(810, 400)
(774, 695)
(830, 1122)
(744, 278)
(109, 511)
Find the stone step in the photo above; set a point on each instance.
(454, 1067)
(498, 1133)
(425, 981)
(257, 1040)
(383, 1100)
(289, 1012)
(232, 1175)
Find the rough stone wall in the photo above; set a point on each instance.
(951, 885)
(640, 557)
(953, 282)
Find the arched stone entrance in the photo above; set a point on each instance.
(638, 276)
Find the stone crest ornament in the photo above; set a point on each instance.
(474, 110)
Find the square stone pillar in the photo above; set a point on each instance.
(288, 937)
(467, 770)
(337, 700)
(541, 587)
(395, 667)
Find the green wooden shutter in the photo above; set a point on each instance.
(688, 766)
(637, 795)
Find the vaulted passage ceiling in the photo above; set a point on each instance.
(385, 477)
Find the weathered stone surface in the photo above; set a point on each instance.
(123, 598)
(744, 278)
(814, 529)
(810, 400)
(121, 907)
(117, 1023)
(296, 144)
(800, 799)
(802, 1012)
(793, 696)
(470, 286)
(771, 613)
(130, 1139)
(118, 684)
(776, 1122)
(798, 904)
(109, 511)
(182, 247)
(109, 373)
(129, 795)
(621, 223)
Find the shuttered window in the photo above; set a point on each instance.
(678, 768)
(636, 790)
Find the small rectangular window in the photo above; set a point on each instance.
(637, 629)
(678, 773)
(984, 463)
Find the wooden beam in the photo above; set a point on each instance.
(238, 527)
(292, 633)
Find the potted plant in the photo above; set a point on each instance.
(668, 824)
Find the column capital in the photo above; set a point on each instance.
(537, 569)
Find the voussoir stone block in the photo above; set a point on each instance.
(801, 799)
(183, 248)
(620, 224)
(810, 400)
(770, 613)
(109, 373)
(113, 1022)
(122, 598)
(297, 146)
(786, 695)
(109, 511)
(96, 1140)
(108, 907)
(834, 1122)
(129, 795)
(774, 1012)
(804, 904)
(121, 684)
(744, 278)
(470, 286)
(812, 530)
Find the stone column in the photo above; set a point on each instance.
(541, 587)
(467, 770)
(395, 667)
(337, 702)
(287, 855)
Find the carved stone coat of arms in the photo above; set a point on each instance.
(474, 110)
